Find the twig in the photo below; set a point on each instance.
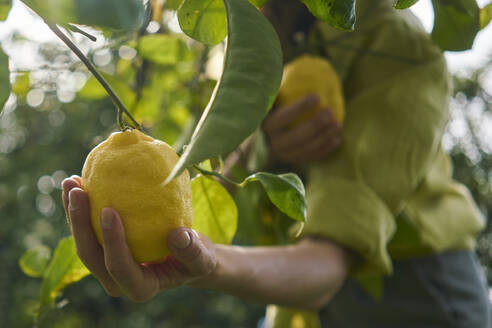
(119, 105)
(76, 29)
(216, 174)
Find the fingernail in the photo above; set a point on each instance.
(107, 218)
(183, 240)
(72, 202)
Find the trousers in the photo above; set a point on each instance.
(440, 290)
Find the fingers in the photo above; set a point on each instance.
(312, 140)
(318, 148)
(304, 133)
(280, 119)
(67, 185)
(137, 283)
(194, 252)
(88, 249)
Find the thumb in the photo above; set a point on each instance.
(189, 249)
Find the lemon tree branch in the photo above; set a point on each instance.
(116, 100)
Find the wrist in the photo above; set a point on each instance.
(216, 278)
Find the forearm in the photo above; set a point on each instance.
(303, 275)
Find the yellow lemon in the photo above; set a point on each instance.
(312, 75)
(126, 172)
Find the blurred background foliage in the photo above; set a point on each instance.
(57, 113)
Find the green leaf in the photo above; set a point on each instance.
(21, 85)
(162, 49)
(115, 14)
(34, 261)
(456, 23)
(64, 269)
(258, 3)
(215, 213)
(5, 6)
(337, 13)
(485, 15)
(404, 4)
(173, 4)
(93, 89)
(245, 92)
(203, 20)
(5, 86)
(206, 165)
(285, 191)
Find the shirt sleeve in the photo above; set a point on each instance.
(397, 88)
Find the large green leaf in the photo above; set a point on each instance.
(338, 13)
(5, 6)
(203, 20)
(5, 86)
(215, 213)
(456, 23)
(115, 14)
(485, 15)
(245, 92)
(258, 3)
(403, 4)
(34, 261)
(64, 269)
(285, 191)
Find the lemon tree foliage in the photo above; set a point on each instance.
(485, 15)
(285, 191)
(203, 20)
(258, 3)
(93, 89)
(246, 91)
(114, 14)
(152, 47)
(456, 23)
(173, 4)
(34, 261)
(215, 213)
(338, 13)
(403, 4)
(4, 79)
(64, 269)
(5, 6)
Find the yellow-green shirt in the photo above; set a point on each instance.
(388, 192)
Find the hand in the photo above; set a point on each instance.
(310, 141)
(193, 256)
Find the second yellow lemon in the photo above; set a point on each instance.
(310, 74)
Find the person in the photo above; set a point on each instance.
(389, 237)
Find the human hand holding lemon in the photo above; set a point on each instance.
(126, 173)
(306, 124)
